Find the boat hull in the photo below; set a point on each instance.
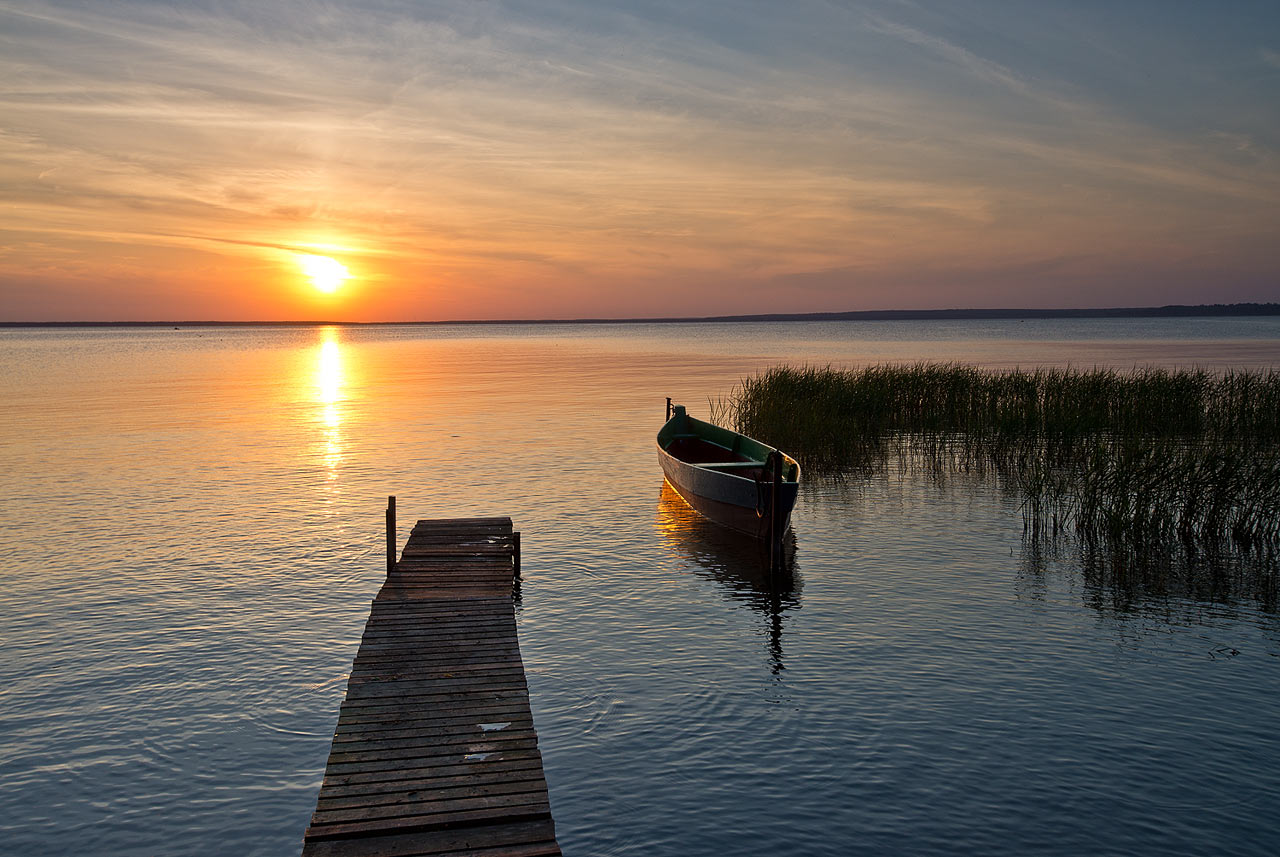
(737, 502)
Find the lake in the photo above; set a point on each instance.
(192, 532)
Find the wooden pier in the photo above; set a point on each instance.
(435, 751)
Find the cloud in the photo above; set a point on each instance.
(968, 61)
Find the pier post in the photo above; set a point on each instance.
(391, 534)
(515, 553)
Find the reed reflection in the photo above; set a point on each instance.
(1177, 581)
(739, 564)
(329, 396)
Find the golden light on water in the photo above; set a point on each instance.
(326, 273)
(328, 384)
(676, 518)
(329, 368)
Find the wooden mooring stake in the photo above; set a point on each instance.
(775, 515)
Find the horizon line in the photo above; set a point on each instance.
(1166, 311)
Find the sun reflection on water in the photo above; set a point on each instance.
(328, 384)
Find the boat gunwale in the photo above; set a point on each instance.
(710, 467)
(727, 474)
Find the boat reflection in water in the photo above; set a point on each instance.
(740, 565)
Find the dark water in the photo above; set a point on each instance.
(191, 534)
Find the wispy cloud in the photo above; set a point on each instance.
(966, 60)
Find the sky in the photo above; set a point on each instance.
(555, 159)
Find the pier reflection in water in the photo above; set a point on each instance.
(738, 563)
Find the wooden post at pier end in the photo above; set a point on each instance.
(391, 534)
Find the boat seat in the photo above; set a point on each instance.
(732, 465)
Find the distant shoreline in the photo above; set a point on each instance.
(1171, 311)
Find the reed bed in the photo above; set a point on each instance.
(1140, 458)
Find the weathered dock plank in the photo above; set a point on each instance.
(435, 751)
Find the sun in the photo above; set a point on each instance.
(326, 274)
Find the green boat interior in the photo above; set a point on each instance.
(698, 450)
(714, 448)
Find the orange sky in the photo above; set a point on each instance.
(512, 160)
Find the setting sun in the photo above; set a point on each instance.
(326, 274)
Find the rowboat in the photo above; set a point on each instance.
(728, 477)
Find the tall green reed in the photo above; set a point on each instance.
(1140, 458)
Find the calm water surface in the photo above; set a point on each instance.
(190, 537)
